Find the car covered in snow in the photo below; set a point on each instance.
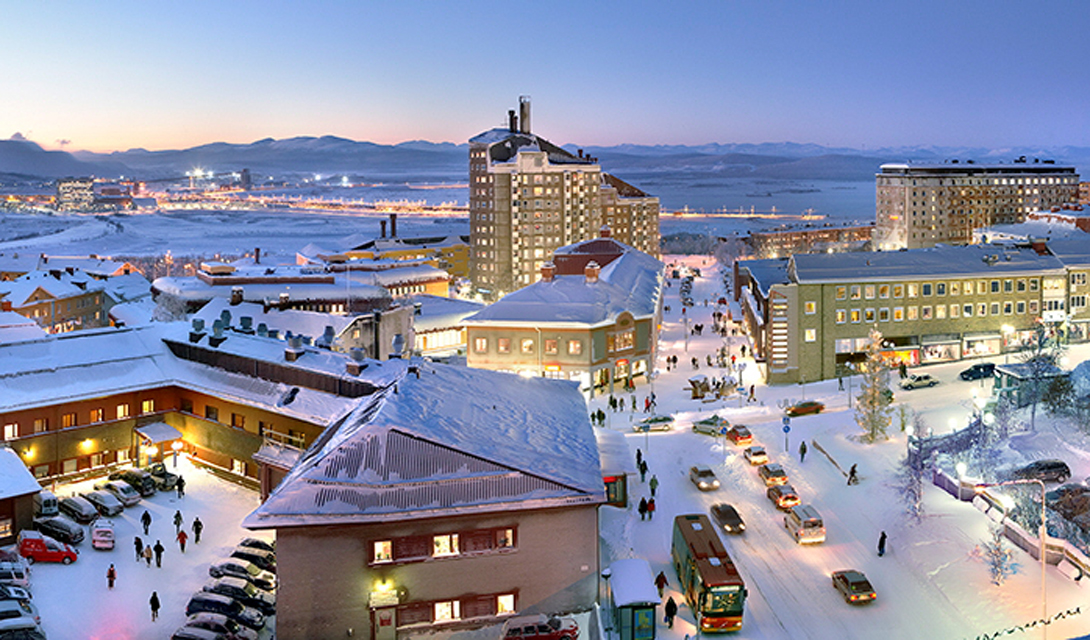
(60, 528)
(217, 624)
(783, 496)
(243, 591)
(917, 380)
(78, 508)
(853, 586)
(243, 569)
(163, 479)
(258, 543)
(263, 559)
(703, 477)
(102, 534)
(541, 627)
(756, 455)
(1047, 470)
(106, 502)
(120, 490)
(215, 603)
(728, 518)
(772, 473)
(712, 425)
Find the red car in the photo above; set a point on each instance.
(740, 435)
(34, 547)
(542, 627)
(805, 408)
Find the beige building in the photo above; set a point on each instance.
(58, 300)
(75, 194)
(923, 205)
(528, 197)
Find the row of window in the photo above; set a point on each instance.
(446, 545)
(915, 290)
(71, 419)
(939, 312)
(483, 606)
(527, 346)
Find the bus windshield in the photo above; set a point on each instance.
(724, 600)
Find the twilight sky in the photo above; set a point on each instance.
(164, 75)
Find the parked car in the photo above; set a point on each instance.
(121, 490)
(805, 408)
(978, 371)
(740, 435)
(1047, 470)
(61, 528)
(244, 592)
(215, 603)
(541, 627)
(783, 496)
(727, 517)
(854, 586)
(196, 633)
(12, 592)
(258, 543)
(712, 425)
(79, 509)
(917, 380)
(20, 628)
(137, 479)
(703, 477)
(772, 473)
(102, 534)
(164, 480)
(219, 623)
(243, 569)
(654, 423)
(45, 504)
(756, 455)
(263, 559)
(15, 574)
(106, 502)
(17, 609)
(34, 547)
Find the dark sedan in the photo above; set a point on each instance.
(727, 517)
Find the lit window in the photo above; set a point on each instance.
(147, 406)
(552, 347)
(913, 290)
(883, 314)
(898, 291)
(527, 345)
(575, 347)
(811, 308)
(810, 335)
(505, 604)
(384, 551)
(505, 539)
(448, 611)
(856, 292)
(868, 315)
(122, 411)
(98, 415)
(841, 316)
(11, 431)
(503, 345)
(857, 316)
(913, 313)
(883, 291)
(869, 292)
(68, 420)
(445, 545)
(841, 293)
(480, 345)
(898, 314)
(41, 425)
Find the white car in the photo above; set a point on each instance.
(703, 477)
(917, 380)
(121, 490)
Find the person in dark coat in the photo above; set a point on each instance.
(852, 477)
(198, 527)
(660, 582)
(180, 486)
(643, 470)
(802, 451)
(639, 457)
(154, 602)
(158, 549)
(654, 484)
(146, 521)
(178, 520)
(642, 508)
(882, 544)
(139, 544)
(111, 575)
(671, 612)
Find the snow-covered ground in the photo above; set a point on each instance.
(74, 602)
(931, 583)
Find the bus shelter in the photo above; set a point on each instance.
(633, 598)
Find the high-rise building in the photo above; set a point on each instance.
(528, 197)
(75, 194)
(924, 205)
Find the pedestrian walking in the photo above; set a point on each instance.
(139, 544)
(902, 369)
(660, 582)
(181, 538)
(752, 393)
(146, 521)
(180, 486)
(633, 403)
(654, 484)
(177, 522)
(158, 549)
(198, 527)
(111, 575)
(154, 602)
(639, 457)
(839, 383)
(651, 509)
(642, 508)
(671, 612)
(643, 471)
(882, 544)
(743, 351)
(802, 451)
(852, 477)
(147, 555)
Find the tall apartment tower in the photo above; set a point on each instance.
(75, 194)
(923, 205)
(528, 197)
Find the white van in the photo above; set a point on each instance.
(45, 504)
(805, 523)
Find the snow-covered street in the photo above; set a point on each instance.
(930, 583)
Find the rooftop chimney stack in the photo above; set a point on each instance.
(605, 231)
(524, 114)
(548, 271)
(236, 296)
(591, 272)
(382, 224)
(257, 255)
(512, 121)
(393, 225)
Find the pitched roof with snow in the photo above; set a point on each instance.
(20, 291)
(17, 328)
(632, 283)
(15, 479)
(437, 312)
(450, 440)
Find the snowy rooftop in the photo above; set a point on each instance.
(445, 440)
(16, 328)
(438, 313)
(632, 583)
(17, 479)
(194, 289)
(632, 282)
(307, 323)
(766, 272)
(972, 167)
(1072, 251)
(940, 261)
(128, 287)
(20, 290)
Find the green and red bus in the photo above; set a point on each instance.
(708, 578)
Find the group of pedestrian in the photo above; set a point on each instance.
(649, 403)
(671, 362)
(671, 606)
(148, 551)
(646, 507)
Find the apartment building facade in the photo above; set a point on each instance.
(922, 205)
(529, 197)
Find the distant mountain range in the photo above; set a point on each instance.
(418, 160)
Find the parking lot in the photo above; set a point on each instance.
(74, 600)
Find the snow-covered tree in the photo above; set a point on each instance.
(1041, 355)
(872, 411)
(1059, 396)
(998, 556)
(1004, 419)
(168, 308)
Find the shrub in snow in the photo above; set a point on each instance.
(998, 556)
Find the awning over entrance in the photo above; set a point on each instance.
(157, 432)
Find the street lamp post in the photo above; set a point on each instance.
(1043, 532)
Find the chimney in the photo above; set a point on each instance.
(246, 325)
(236, 296)
(591, 272)
(548, 270)
(284, 298)
(355, 364)
(1039, 246)
(393, 225)
(217, 337)
(294, 350)
(512, 121)
(605, 232)
(195, 334)
(580, 153)
(382, 224)
(524, 114)
(257, 255)
(5, 305)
